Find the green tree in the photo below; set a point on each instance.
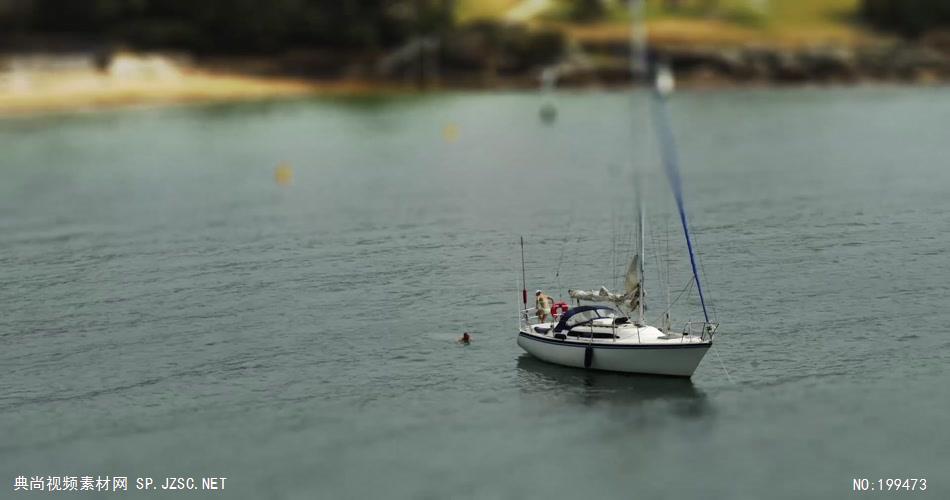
(907, 17)
(230, 25)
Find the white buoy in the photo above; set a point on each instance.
(665, 84)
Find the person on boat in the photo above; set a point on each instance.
(465, 339)
(543, 303)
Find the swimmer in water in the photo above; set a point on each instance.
(465, 339)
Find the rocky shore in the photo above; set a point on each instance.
(900, 62)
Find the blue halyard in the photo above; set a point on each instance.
(671, 165)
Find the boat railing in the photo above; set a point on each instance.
(705, 330)
(527, 315)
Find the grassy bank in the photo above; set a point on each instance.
(787, 23)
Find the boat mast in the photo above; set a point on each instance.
(638, 69)
(640, 249)
(524, 284)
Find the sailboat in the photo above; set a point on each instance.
(606, 330)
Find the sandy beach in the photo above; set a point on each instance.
(53, 84)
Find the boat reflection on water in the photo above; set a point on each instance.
(592, 387)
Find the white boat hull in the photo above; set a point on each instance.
(672, 359)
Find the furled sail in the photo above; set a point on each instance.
(602, 295)
(629, 299)
(631, 282)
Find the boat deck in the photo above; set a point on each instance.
(624, 335)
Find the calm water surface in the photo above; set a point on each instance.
(167, 309)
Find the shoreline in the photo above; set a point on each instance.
(502, 47)
(80, 93)
(69, 92)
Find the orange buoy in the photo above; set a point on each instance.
(284, 174)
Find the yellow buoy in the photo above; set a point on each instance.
(450, 132)
(284, 174)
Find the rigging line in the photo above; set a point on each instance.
(631, 250)
(620, 264)
(610, 258)
(619, 268)
(669, 277)
(663, 128)
(524, 281)
(702, 270)
(577, 255)
(712, 303)
(686, 288)
(613, 251)
(557, 272)
(626, 252)
(520, 309)
(615, 270)
(641, 222)
(623, 253)
(671, 163)
(567, 241)
(656, 258)
(723, 365)
(576, 242)
(557, 283)
(618, 251)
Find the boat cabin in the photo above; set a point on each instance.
(585, 321)
(590, 315)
